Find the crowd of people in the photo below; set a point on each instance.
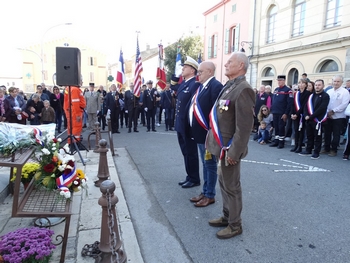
(312, 116)
(213, 122)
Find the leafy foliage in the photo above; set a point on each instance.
(189, 46)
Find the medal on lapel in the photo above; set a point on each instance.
(223, 105)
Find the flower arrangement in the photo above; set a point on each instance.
(28, 172)
(57, 169)
(27, 245)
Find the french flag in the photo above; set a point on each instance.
(120, 73)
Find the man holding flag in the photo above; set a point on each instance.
(184, 92)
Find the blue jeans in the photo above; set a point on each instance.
(210, 175)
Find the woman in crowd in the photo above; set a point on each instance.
(265, 115)
(300, 99)
(15, 106)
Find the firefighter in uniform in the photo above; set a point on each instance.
(76, 106)
(281, 105)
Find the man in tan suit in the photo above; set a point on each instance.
(231, 121)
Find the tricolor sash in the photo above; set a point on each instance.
(65, 180)
(297, 107)
(37, 135)
(198, 113)
(310, 107)
(213, 118)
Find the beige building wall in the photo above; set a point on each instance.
(308, 52)
(93, 64)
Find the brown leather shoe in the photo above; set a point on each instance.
(229, 231)
(218, 222)
(205, 201)
(197, 198)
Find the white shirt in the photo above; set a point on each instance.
(338, 101)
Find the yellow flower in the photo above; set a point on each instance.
(80, 173)
(46, 180)
(37, 176)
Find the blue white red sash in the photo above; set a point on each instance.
(310, 107)
(213, 118)
(37, 135)
(198, 113)
(297, 108)
(65, 180)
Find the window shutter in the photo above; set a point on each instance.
(227, 41)
(209, 47)
(215, 45)
(237, 38)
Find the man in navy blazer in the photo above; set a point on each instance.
(188, 146)
(201, 104)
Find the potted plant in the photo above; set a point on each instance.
(28, 172)
(27, 245)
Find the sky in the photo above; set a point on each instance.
(105, 25)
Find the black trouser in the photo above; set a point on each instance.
(347, 146)
(115, 119)
(279, 125)
(168, 113)
(151, 116)
(102, 120)
(299, 134)
(123, 116)
(133, 116)
(332, 132)
(314, 137)
(190, 153)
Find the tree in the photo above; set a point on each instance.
(189, 46)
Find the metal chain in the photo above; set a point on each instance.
(112, 234)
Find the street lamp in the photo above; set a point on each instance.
(42, 47)
(246, 42)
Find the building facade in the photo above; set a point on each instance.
(39, 64)
(288, 37)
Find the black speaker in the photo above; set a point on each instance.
(68, 66)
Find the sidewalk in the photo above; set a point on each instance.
(86, 216)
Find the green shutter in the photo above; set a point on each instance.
(227, 41)
(215, 45)
(209, 47)
(237, 38)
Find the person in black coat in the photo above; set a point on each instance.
(34, 116)
(166, 102)
(188, 146)
(113, 106)
(149, 102)
(315, 113)
(297, 111)
(199, 110)
(131, 107)
(56, 102)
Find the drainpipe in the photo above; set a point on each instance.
(253, 41)
(223, 42)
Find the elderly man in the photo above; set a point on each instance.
(338, 101)
(200, 107)
(188, 146)
(93, 101)
(131, 107)
(231, 120)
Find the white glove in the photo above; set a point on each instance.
(163, 110)
(98, 111)
(146, 109)
(126, 111)
(109, 111)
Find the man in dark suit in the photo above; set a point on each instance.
(166, 103)
(231, 122)
(188, 146)
(131, 107)
(113, 106)
(200, 107)
(149, 99)
(315, 114)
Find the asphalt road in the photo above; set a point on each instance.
(295, 209)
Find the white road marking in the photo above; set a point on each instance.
(296, 167)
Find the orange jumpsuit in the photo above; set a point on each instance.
(77, 106)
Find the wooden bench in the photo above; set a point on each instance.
(37, 202)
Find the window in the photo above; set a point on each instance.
(92, 61)
(299, 18)
(234, 8)
(293, 76)
(329, 66)
(92, 77)
(271, 24)
(334, 11)
(269, 72)
(212, 46)
(232, 39)
(215, 18)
